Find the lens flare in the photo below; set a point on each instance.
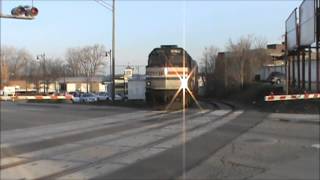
(184, 82)
(184, 88)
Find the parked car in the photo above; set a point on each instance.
(124, 97)
(88, 98)
(103, 96)
(75, 97)
(276, 78)
(75, 93)
(79, 97)
(117, 97)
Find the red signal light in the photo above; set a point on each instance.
(31, 11)
(34, 11)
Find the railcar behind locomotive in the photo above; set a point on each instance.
(169, 69)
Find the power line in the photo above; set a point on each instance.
(104, 5)
(104, 2)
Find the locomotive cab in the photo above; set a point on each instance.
(169, 69)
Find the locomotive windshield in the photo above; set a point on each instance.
(168, 58)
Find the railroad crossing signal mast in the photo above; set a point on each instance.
(22, 12)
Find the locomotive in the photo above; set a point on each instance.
(169, 69)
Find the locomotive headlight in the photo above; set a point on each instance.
(184, 83)
(165, 71)
(148, 83)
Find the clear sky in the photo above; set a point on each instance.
(143, 25)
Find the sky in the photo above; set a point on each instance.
(143, 25)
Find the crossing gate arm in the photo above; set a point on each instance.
(292, 97)
(6, 98)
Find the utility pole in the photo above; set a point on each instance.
(113, 50)
(112, 9)
(317, 47)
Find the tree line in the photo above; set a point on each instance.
(236, 66)
(228, 70)
(20, 64)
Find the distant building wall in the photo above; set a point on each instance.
(265, 71)
(313, 71)
(313, 74)
(136, 89)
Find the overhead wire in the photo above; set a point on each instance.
(104, 5)
(104, 2)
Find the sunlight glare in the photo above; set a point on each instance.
(184, 82)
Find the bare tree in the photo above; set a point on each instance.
(247, 55)
(73, 57)
(33, 74)
(55, 70)
(209, 59)
(91, 61)
(16, 60)
(86, 61)
(4, 74)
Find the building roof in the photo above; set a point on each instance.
(80, 79)
(109, 77)
(138, 77)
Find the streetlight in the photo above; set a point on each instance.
(43, 57)
(108, 54)
(112, 9)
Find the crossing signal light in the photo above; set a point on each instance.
(24, 11)
(32, 11)
(18, 11)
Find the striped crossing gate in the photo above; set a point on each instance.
(15, 98)
(304, 96)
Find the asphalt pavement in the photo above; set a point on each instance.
(67, 141)
(23, 115)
